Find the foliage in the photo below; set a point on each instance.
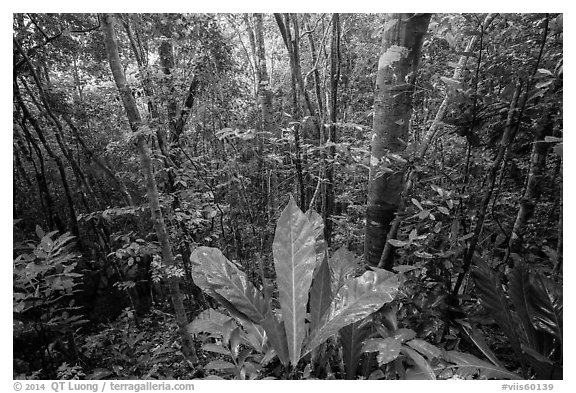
(534, 325)
(400, 354)
(295, 259)
(222, 179)
(242, 343)
(45, 277)
(124, 350)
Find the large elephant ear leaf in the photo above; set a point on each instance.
(520, 298)
(276, 336)
(318, 230)
(544, 367)
(547, 306)
(294, 262)
(493, 299)
(358, 298)
(320, 294)
(215, 274)
(352, 338)
(344, 265)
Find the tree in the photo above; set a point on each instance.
(138, 129)
(402, 40)
(264, 93)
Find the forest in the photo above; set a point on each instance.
(287, 196)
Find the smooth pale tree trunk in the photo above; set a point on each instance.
(386, 260)
(330, 197)
(401, 45)
(264, 93)
(252, 56)
(151, 187)
(533, 185)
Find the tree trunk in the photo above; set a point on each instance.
(151, 188)
(505, 142)
(284, 26)
(264, 92)
(560, 242)
(332, 108)
(85, 189)
(431, 133)
(386, 261)
(61, 170)
(53, 219)
(152, 107)
(401, 45)
(533, 185)
(98, 161)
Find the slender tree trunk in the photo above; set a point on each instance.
(332, 137)
(151, 188)
(100, 162)
(166, 54)
(505, 142)
(560, 242)
(253, 55)
(533, 185)
(264, 93)
(61, 170)
(401, 45)
(85, 189)
(53, 220)
(431, 133)
(152, 107)
(265, 99)
(284, 27)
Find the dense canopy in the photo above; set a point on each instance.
(290, 196)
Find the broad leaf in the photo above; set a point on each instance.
(358, 298)
(419, 361)
(294, 261)
(216, 349)
(469, 364)
(255, 334)
(404, 335)
(477, 338)
(547, 306)
(235, 340)
(318, 230)
(209, 321)
(344, 265)
(519, 296)
(276, 336)
(219, 365)
(320, 294)
(544, 367)
(352, 338)
(388, 349)
(213, 272)
(425, 348)
(494, 300)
